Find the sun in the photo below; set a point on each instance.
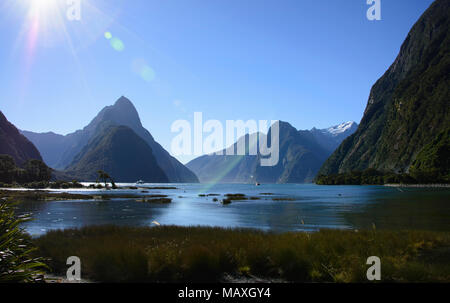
(43, 3)
(44, 16)
(42, 7)
(43, 24)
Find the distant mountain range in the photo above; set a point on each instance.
(406, 123)
(71, 151)
(302, 152)
(115, 141)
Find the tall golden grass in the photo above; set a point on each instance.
(206, 254)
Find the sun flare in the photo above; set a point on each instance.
(43, 5)
(46, 10)
(44, 17)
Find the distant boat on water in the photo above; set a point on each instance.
(140, 182)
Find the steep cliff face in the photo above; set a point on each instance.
(408, 106)
(15, 144)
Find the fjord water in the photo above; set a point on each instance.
(306, 207)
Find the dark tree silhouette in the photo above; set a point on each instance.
(104, 177)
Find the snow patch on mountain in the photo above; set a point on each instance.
(341, 128)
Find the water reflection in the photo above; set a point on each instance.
(419, 209)
(301, 207)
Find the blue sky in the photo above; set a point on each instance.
(311, 63)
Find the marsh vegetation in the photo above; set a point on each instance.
(206, 254)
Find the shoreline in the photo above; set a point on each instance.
(419, 185)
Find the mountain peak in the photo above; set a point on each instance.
(344, 128)
(123, 101)
(284, 126)
(124, 106)
(341, 128)
(122, 112)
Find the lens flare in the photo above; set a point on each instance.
(117, 44)
(141, 67)
(148, 74)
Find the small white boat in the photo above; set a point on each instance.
(140, 182)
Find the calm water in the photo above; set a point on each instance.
(343, 207)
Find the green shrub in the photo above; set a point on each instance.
(16, 264)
